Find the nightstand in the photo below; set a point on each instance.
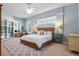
(58, 38)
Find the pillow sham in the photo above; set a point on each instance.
(40, 32)
(49, 33)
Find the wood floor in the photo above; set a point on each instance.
(4, 52)
(56, 50)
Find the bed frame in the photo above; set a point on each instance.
(33, 45)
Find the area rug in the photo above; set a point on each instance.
(16, 48)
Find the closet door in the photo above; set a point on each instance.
(0, 27)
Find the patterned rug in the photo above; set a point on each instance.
(16, 48)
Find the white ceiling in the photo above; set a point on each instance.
(17, 9)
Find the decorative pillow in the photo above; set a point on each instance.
(41, 32)
(45, 33)
(38, 32)
(49, 33)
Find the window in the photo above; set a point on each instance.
(29, 27)
(7, 28)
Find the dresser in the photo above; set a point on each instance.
(73, 40)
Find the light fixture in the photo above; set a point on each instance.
(29, 8)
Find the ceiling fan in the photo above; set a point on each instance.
(29, 9)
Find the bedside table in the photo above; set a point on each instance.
(59, 38)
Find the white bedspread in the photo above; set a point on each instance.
(37, 39)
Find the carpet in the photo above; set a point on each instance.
(16, 48)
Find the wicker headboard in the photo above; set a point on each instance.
(46, 29)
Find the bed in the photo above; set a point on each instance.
(37, 41)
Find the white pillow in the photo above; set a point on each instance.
(38, 32)
(49, 33)
(45, 33)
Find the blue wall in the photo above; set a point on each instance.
(71, 19)
(33, 19)
(78, 18)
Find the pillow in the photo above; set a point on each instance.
(45, 33)
(41, 32)
(49, 33)
(38, 32)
